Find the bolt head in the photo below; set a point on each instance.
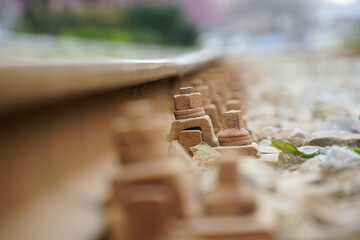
(188, 101)
(232, 119)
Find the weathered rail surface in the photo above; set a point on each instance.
(56, 150)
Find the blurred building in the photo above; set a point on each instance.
(271, 16)
(10, 10)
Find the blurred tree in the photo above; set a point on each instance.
(159, 24)
(33, 12)
(38, 18)
(163, 20)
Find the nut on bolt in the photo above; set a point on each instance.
(187, 99)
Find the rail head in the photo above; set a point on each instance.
(34, 83)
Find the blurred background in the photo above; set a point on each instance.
(110, 28)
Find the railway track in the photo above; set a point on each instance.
(83, 146)
(56, 149)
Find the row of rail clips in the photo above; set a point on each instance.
(156, 195)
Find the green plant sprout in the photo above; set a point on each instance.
(288, 147)
(357, 150)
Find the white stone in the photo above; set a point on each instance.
(339, 158)
(329, 138)
(287, 160)
(297, 133)
(268, 132)
(265, 142)
(341, 123)
(295, 136)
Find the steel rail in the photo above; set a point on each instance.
(24, 84)
(56, 156)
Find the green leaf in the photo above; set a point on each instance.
(285, 146)
(359, 117)
(288, 147)
(357, 150)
